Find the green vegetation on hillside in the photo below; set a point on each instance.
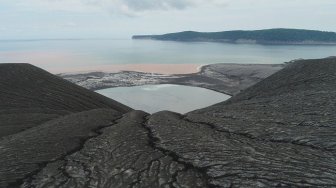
(257, 36)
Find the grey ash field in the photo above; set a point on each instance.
(224, 78)
(280, 132)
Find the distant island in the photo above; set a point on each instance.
(267, 36)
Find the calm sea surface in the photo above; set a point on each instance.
(63, 54)
(154, 98)
(70, 55)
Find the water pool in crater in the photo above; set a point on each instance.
(155, 98)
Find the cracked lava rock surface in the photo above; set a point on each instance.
(280, 132)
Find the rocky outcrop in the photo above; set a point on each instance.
(277, 133)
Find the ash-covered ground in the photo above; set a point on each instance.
(281, 132)
(225, 78)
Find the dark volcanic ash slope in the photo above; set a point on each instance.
(30, 96)
(24, 153)
(278, 133)
(44, 118)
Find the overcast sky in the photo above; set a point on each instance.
(25, 19)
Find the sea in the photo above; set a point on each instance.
(71, 55)
(60, 55)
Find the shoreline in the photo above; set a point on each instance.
(229, 79)
(240, 41)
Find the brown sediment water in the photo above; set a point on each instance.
(149, 68)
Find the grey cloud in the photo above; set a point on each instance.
(142, 5)
(126, 7)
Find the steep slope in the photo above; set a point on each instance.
(30, 96)
(24, 153)
(295, 105)
(280, 132)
